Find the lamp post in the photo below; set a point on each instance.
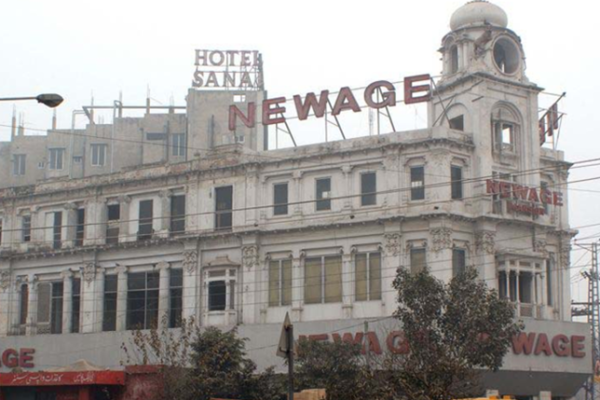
(48, 99)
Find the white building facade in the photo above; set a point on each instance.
(161, 218)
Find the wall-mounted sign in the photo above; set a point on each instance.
(527, 344)
(417, 89)
(228, 69)
(524, 199)
(13, 358)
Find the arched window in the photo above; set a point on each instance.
(453, 59)
(505, 129)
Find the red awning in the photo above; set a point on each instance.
(70, 378)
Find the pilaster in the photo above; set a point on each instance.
(122, 298)
(67, 301)
(163, 294)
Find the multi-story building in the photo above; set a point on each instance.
(151, 220)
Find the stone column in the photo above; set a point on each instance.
(297, 193)
(485, 249)
(15, 306)
(190, 287)
(252, 197)
(163, 294)
(32, 305)
(251, 299)
(121, 298)
(96, 216)
(297, 286)
(164, 220)
(71, 225)
(5, 302)
(37, 225)
(92, 298)
(347, 283)
(348, 187)
(390, 262)
(67, 301)
(439, 258)
(124, 222)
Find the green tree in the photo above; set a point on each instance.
(339, 368)
(455, 332)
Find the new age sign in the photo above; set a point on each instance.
(417, 89)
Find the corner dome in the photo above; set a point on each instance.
(478, 13)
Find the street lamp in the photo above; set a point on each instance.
(48, 99)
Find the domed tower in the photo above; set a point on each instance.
(480, 42)
(484, 94)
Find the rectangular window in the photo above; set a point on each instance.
(418, 259)
(57, 230)
(156, 136)
(504, 136)
(24, 304)
(458, 261)
(19, 164)
(323, 280)
(549, 281)
(502, 293)
(112, 224)
(57, 308)
(280, 283)
(56, 159)
(458, 123)
(280, 199)
(217, 295)
(76, 302)
(456, 178)
(178, 145)
(44, 291)
(525, 287)
(323, 187)
(368, 276)
(417, 183)
(368, 189)
(175, 298)
(177, 214)
(142, 300)
(80, 228)
(224, 207)
(146, 215)
(109, 318)
(98, 154)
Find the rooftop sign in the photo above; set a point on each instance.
(228, 69)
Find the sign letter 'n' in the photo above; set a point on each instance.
(248, 120)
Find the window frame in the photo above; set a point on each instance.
(55, 162)
(322, 203)
(178, 145)
(282, 285)
(98, 153)
(412, 255)
(229, 278)
(369, 295)
(281, 208)
(26, 228)
(456, 185)
(145, 224)
(177, 220)
(417, 187)
(368, 199)
(175, 298)
(324, 298)
(151, 317)
(220, 214)
(458, 269)
(19, 164)
(109, 297)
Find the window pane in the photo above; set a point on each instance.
(525, 283)
(312, 280)
(549, 271)
(375, 276)
(223, 207)
(273, 283)
(24, 304)
(333, 279)
(417, 260)
(136, 301)
(417, 183)
(76, 300)
(280, 199)
(368, 189)
(176, 278)
(176, 307)
(456, 184)
(458, 262)
(502, 285)
(231, 295)
(286, 269)
(217, 292)
(57, 308)
(26, 226)
(178, 214)
(152, 280)
(151, 308)
(360, 262)
(323, 194)
(43, 306)
(136, 281)
(145, 220)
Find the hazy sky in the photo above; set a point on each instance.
(78, 47)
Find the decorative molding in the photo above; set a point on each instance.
(67, 273)
(89, 272)
(190, 261)
(540, 246)
(442, 238)
(485, 241)
(163, 265)
(392, 243)
(250, 256)
(4, 280)
(124, 199)
(565, 256)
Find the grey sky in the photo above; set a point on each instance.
(78, 47)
